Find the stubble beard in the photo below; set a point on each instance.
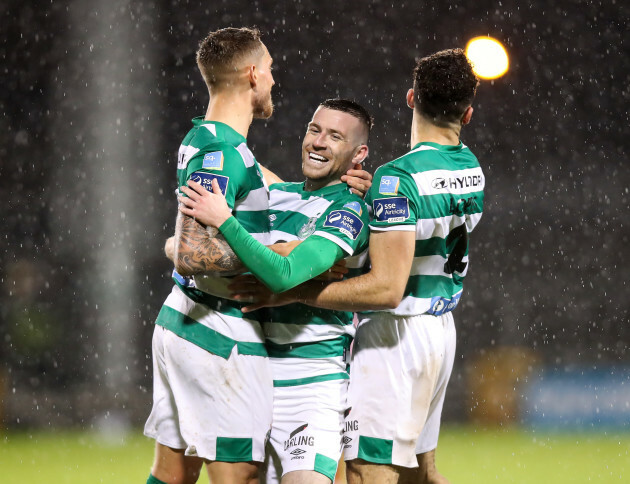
(264, 109)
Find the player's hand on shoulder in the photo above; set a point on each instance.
(358, 180)
(208, 208)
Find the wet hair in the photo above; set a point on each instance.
(444, 85)
(221, 50)
(351, 107)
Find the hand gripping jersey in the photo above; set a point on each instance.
(307, 344)
(436, 191)
(198, 309)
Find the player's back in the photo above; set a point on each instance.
(199, 308)
(436, 191)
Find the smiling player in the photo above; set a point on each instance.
(308, 347)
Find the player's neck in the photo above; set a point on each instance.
(422, 130)
(232, 109)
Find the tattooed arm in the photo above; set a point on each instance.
(199, 249)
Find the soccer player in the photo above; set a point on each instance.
(212, 395)
(425, 205)
(308, 347)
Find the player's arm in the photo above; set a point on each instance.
(391, 256)
(199, 249)
(309, 259)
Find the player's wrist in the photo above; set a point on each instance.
(227, 224)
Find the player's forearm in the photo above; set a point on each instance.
(278, 273)
(200, 250)
(362, 293)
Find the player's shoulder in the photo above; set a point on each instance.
(350, 202)
(220, 155)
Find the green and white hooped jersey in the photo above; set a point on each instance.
(307, 344)
(436, 191)
(200, 311)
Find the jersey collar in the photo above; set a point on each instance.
(223, 131)
(443, 148)
(337, 187)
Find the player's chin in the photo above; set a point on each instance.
(264, 113)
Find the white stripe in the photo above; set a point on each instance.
(211, 127)
(248, 157)
(294, 368)
(262, 237)
(423, 148)
(394, 228)
(411, 306)
(282, 201)
(336, 240)
(472, 221)
(433, 265)
(185, 154)
(357, 261)
(457, 182)
(286, 333)
(245, 330)
(256, 200)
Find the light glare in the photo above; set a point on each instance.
(488, 57)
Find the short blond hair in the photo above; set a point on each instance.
(221, 51)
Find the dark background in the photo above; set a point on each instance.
(547, 283)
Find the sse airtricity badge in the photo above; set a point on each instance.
(346, 222)
(391, 210)
(205, 179)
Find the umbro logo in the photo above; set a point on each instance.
(298, 452)
(346, 439)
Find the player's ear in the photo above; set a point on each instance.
(467, 115)
(410, 99)
(252, 75)
(361, 154)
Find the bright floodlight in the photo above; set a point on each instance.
(488, 57)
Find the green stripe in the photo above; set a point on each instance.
(311, 379)
(429, 286)
(207, 338)
(219, 304)
(435, 246)
(154, 480)
(375, 450)
(288, 221)
(325, 465)
(432, 246)
(436, 206)
(320, 349)
(234, 450)
(255, 221)
(301, 314)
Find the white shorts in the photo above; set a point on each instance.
(216, 409)
(399, 372)
(306, 430)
